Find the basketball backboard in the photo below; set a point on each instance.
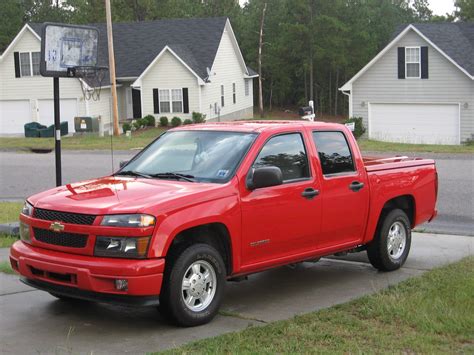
(67, 46)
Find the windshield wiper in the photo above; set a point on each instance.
(133, 173)
(172, 175)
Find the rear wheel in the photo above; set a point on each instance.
(193, 286)
(391, 245)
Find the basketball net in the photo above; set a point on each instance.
(91, 78)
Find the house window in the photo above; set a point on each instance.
(25, 64)
(165, 101)
(412, 62)
(247, 87)
(234, 98)
(35, 62)
(222, 95)
(30, 63)
(177, 100)
(171, 100)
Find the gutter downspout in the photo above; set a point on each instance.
(349, 94)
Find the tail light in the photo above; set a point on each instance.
(436, 185)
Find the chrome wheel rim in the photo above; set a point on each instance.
(397, 240)
(198, 287)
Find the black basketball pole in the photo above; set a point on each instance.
(57, 131)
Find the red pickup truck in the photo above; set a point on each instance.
(208, 203)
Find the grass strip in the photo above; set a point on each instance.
(433, 313)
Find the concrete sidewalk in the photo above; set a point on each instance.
(33, 321)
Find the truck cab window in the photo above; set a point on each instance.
(286, 152)
(334, 152)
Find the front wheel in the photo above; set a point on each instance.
(193, 286)
(391, 245)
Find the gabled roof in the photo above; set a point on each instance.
(137, 44)
(455, 41)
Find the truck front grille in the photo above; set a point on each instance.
(70, 240)
(66, 217)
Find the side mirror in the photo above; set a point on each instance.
(264, 177)
(123, 163)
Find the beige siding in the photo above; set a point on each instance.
(33, 87)
(226, 70)
(169, 73)
(446, 84)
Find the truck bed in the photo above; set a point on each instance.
(378, 163)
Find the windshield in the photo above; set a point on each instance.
(205, 156)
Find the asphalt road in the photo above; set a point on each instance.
(23, 174)
(33, 322)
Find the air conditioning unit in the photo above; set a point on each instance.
(86, 124)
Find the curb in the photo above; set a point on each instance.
(10, 228)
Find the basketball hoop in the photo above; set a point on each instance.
(91, 78)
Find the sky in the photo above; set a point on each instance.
(439, 7)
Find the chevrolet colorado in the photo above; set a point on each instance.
(203, 204)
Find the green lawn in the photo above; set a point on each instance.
(139, 139)
(6, 267)
(430, 314)
(142, 138)
(376, 146)
(9, 212)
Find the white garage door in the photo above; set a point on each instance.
(13, 116)
(414, 123)
(68, 110)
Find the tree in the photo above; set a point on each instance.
(422, 10)
(260, 47)
(12, 20)
(464, 10)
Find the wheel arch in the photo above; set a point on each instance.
(406, 203)
(215, 234)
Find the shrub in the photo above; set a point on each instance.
(126, 127)
(149, 121)
(359, 128)
(176, 121)
(198, 117)
(137, 124)
(164, 121)
(187, 121)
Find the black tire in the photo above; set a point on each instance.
(378, 250)
(172, 303)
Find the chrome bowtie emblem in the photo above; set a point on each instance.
(56, 227)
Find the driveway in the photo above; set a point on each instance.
(23, 174)
(34, 322)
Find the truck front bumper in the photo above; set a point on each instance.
(88, 277)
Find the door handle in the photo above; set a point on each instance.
(356, 186)
(310, 193)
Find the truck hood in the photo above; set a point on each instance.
(112, 194)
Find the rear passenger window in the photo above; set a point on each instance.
(334, 152)
(286, 152)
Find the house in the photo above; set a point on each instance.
(164, 68)
(420, 87)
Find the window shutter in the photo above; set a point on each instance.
(156, 104)
(424, 62)
(16, 56)
(401, 62)
(185, 100)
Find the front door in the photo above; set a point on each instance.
(279, 221)
(344, 191)
(136, 103)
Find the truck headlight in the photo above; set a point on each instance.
(27, 209)
(128, 220)
(122, 247)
